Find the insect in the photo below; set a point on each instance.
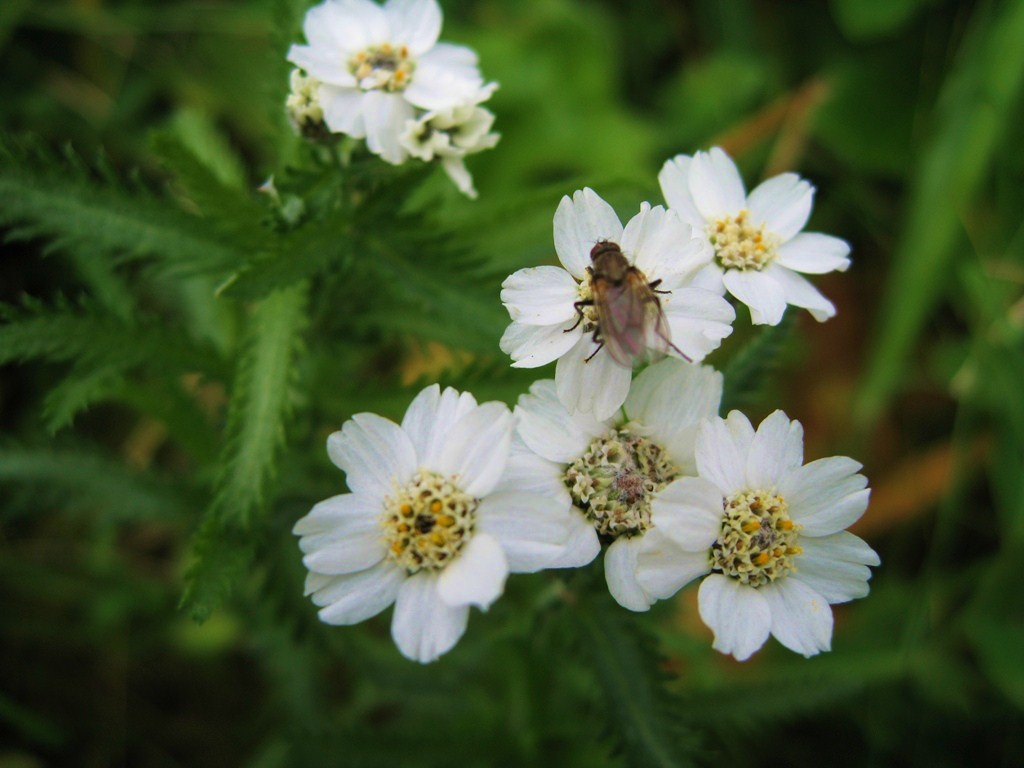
(629, 318)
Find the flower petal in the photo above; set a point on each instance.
(533, 530)
(661, 246)
(826, 495)
(799, 292)
(355, 24)
(689, 511)
(598, 387)
(343, 110)
(776, 451)
(540, 296)
(477, 449)
(620, 572)
(580, 223)
(814, 254)
(674, 179)
(721, 451)
(374, 453)
(782, 204)
(547, 427)
(759, 291)
(698, 320)
(715, 184)
(738, 615)
(477, 576)
(445, 77)
(836, 566)
(531, 346)
(663, 568)
(801, 618)
(424, 626)
(357, 546)
(527, 471)
(355, 597)
(416, 23)
(384, 115)
(337, 512)
(582, 545)
(430, 417)
(673, 397)
(323, 64)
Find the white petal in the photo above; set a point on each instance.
(416, 23)
(456, 169)
(672, 398)
(547, 427)
(374, 453)
(776, 451)
(323, 64)
(698, 320)
(738, 615)
(620, 572)
(430, 417)
(540, 296)
(826, 495)
(361, 546)
(533, 530)
(674, 179)
(689, 511)
(446, 76)
(760, 292)
(424, 626)
(476, 576)
(715, 184)
(801, 618)
(579, 224)
(721, 451)
(663, 568)
(384, 115)
(355, 24)
(598, 387)
(582, 546)
(800, 293)
(661, 246)
(814, 254)
(355, 597)
(836, 566)
(526, 471)
(782, 204)
(477, 449)
(337, 512)
(531, 346)
(709, 277)
(343, 110)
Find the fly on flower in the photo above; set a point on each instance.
(630, 321)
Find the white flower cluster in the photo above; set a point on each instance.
(378, 73)
(445, 505)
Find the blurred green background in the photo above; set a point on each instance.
(908, 117)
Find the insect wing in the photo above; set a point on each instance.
(622, 312)
(657, 339)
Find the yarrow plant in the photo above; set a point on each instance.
(756, 246)
(379, 73)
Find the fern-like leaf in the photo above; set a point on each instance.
(261, 404)
(748, 370)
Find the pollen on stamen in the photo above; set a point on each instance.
(739, 244)
(758, 540)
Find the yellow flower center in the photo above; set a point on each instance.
(382, 67)
(740, 245)
(758, 540)
(428, 522)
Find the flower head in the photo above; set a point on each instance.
(557, 314)
(612, 470)
(768, 530)
(436, 518)
(757, 247)
(378, 66)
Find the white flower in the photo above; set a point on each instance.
(769, 532)
(432, 523)
(450, 135)
(758, 247)
(303, 105)
(377, 65)
(547, 325)
(612, 469)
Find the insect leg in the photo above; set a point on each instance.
(578, 306)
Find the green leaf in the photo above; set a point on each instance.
(749, 369)
(261, 404)
(863, 19)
